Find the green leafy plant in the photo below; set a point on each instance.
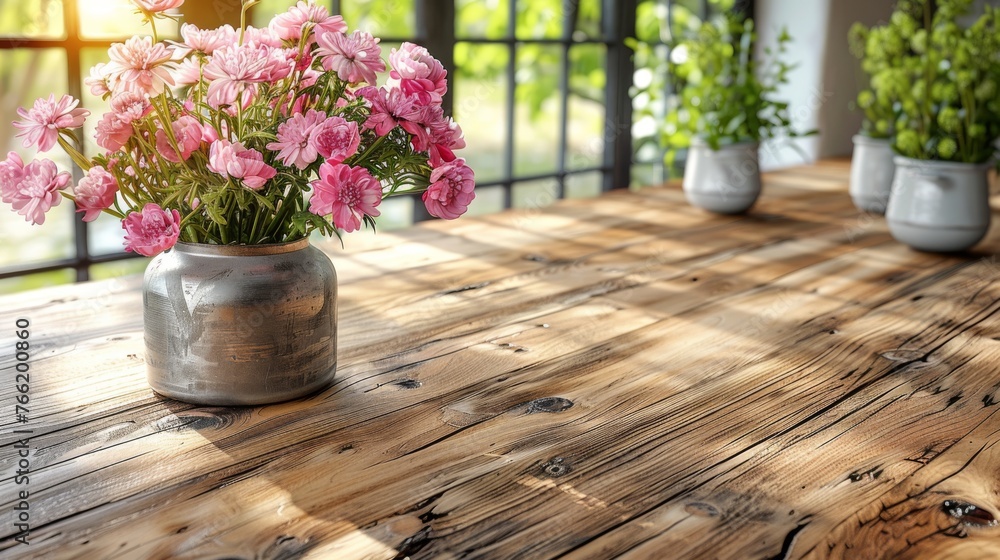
(725, 96)
(949, 107)
(882, 50)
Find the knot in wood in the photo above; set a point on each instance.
(556, 467)
(549, 404)
(407, 383)
(969, 514)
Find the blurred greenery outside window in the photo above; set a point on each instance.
(528, 143)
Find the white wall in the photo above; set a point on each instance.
(827, 78)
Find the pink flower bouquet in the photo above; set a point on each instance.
(248, 136)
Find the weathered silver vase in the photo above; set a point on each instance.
(872, 169)
(240, 324)
(939, 206)
(726, 180)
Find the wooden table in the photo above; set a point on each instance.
(624, 377)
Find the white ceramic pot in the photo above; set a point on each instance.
(872, 169)
(939, 206)
(726, 180)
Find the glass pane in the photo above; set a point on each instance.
(535, 194)
(588, 22)
(587, 108)
(89, 57)
(397, 212)
(106, 236)
(536, 138)
(488, 200)
(539, 19)
(584, 185)
(25, 75)
(482, 18)
(39, 280)
(32, 18)
(118, 268)
(480, 106)
(261, 14)
(117, 19)
(382, 18)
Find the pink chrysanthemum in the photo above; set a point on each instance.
(139, 66)
(36, 190)
(151, 231)
(288, 25)
(11, 172)
(205, 41)
(235, 72)
(356, 58)
(293, 145)
(236, 161)
(346, 192)
(98, 80)
(451, 191)
(388, 108)
(95, 192)
(41, 124)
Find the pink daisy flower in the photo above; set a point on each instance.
(139, 66)
(95, 192)
(451, 190)
(37, 190)
(346, 192)
(293, 145)
(41, 124)
(151, 231)
(356, 58)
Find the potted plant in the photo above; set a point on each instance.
(725, 107)
(222, 153)
(881, 50)
(946, 131)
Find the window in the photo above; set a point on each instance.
(540, 87)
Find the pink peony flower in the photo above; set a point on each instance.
(157, 6)
(129, 106)
(445, 138)
(236, 161)
(356, 58)
(187, 73)
(346, 192)
(336, 139)
(36, 190)
(293, 145)
(98, 80)
(451, 190)
(139, 66)
(41, 124)
(288, 25)
(187, 132)
(112, 132)
(95, 192)
(261, 37)
(205, 41)
(151, 231)
(11, 172)
(415, 70)
(234, 72)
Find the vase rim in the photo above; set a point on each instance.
(938, 165)
(865, 139)
(701, 142)
(241, 250)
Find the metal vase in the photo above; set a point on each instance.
(872, 169)
(726, 180)
(939, 206)
(240, 325)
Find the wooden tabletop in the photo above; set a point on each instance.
(620, 377)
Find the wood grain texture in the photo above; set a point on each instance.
(622, 377)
